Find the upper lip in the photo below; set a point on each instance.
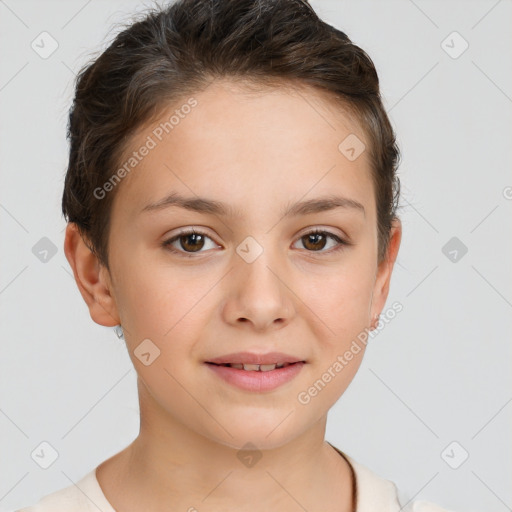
(252, 358)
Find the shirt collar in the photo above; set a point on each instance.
(372, 491)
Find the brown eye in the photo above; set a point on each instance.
(189, 242)
(316, 241)
(192, 242)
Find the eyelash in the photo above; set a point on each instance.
(167, 244)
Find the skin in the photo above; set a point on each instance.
(257, 153)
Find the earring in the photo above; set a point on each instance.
(119, 331)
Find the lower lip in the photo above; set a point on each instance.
(257, 380)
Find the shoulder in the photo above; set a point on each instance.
(79, 497)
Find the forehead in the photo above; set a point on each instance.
(241, 144)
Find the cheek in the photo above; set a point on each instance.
(341, 299)
(339, 310)
(171, 312)
(154, 300)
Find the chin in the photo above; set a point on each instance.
(268, 433)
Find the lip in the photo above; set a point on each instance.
(253, 358)
(257, 381)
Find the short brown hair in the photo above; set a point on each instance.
(176, 51)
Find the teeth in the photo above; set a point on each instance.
(252, 367)
(257, 367)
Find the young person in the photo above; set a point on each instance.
(231, 202)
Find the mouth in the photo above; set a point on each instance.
(257, 378)
(256, 367)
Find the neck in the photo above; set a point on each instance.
(168, 463)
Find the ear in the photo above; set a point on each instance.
(92, 278)
(384, 271)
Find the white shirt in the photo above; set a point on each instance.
(374, 494)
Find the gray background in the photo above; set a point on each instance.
(439, 373)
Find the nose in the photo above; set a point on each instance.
(258, 297)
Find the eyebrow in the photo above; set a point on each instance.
(204, 205)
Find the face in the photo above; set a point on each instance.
(252, 279)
